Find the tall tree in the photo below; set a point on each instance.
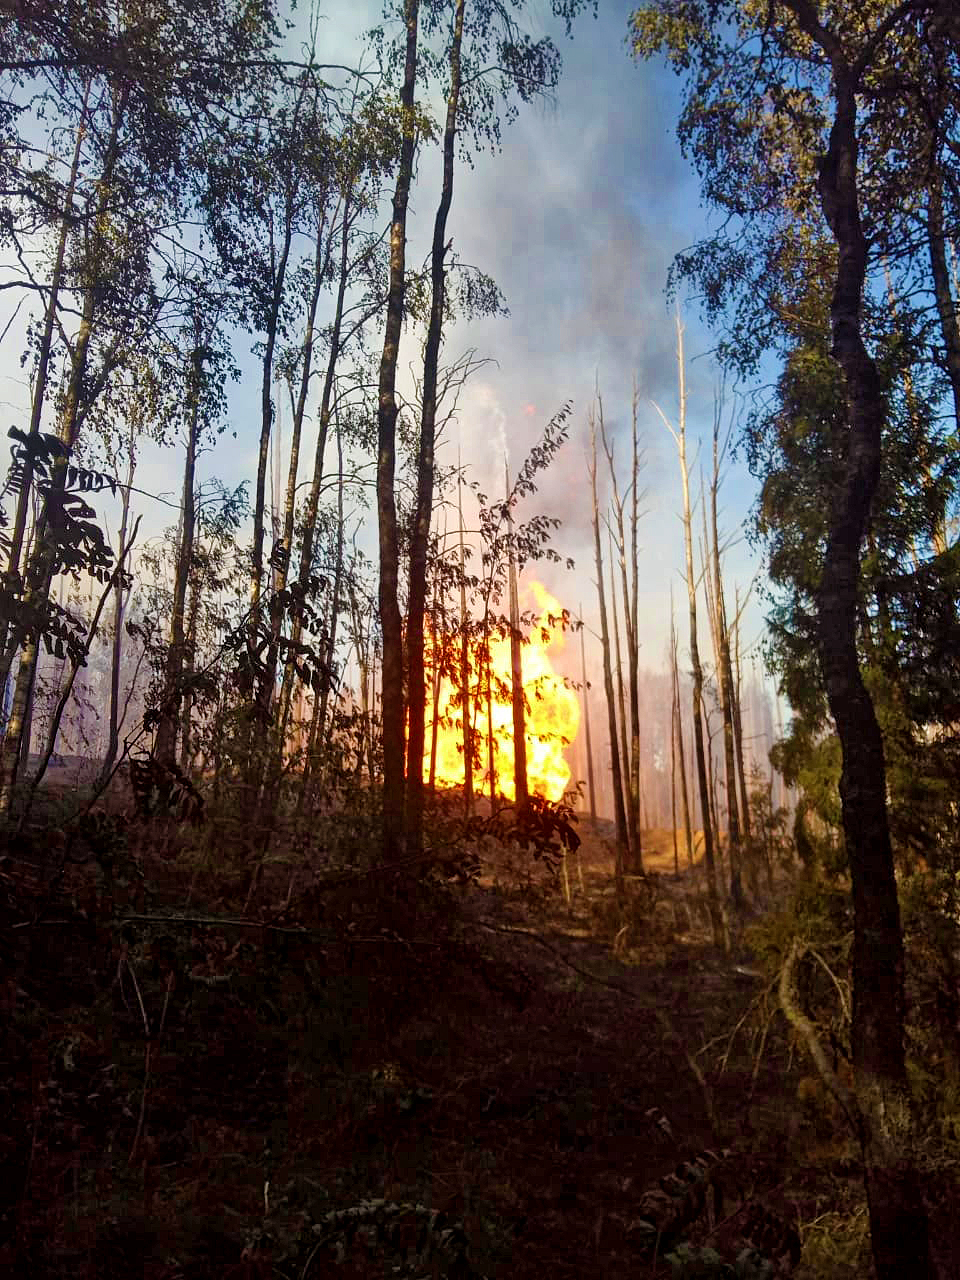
(387, 410)
(898, 1219)
(205, 371)
(679, 435)
(724, 669)
(423, 513)
(792, 125)
(629, 595)
(619, 811)
(521, 792)
(489, 59)
(466, 703)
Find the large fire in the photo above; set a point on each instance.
(551, 721)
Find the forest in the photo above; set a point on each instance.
(480, 758)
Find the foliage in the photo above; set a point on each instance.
(817, 912)
(769, 845)
(689, 1263)
(836, 1244)
(540, 827)
(162, 790)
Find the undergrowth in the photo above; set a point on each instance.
(308, 1066)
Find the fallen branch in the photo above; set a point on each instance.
(312, 935)
(789, 1003)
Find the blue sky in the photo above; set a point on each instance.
(577, 219)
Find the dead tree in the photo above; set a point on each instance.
(620, 816)
(680, 439)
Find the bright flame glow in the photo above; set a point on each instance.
(552, 716)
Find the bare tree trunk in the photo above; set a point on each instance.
(631, 609)
(673, 784)
(189, 662)
(631, 755)
(466, 703)
(331, 648)
(620, 816)
(437, 644)
(316, 483)
(725, 680)
(628, 799)
(121, 594)
(516, 669)
(586, 724)
(491, 756)
(166, 740)
(416, 689)
(680, 438)
(361, 640)
(738, 718)
(280, 257)
(678, 715)
(282, 551)
(712, 781)
(782, 790)
(392, 698)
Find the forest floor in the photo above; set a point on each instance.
(194, 1085)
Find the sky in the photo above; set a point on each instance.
(577, 218)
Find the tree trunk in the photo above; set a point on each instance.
(189, 663)
(631, 752)
(631, 611)
(40, 384)
(898, 1219)
(38, 575)
(423, 515)
(491, 754)
(629, 809)
(946, 306)
(392, 699)
(75, 663)
(40, 572)
(280, 261)
(620, 816)
(680, 438)
(120, 595)
(331, 649)
(166, 740)
(586, 724)
(738, 719)
(673, 786)
(437, 645)
(725, 674)
(271, 765)
(712, 788)
(316, 483)
(466, 703)
(516, 671)
(678, 714)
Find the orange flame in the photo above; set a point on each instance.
(551, 721)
